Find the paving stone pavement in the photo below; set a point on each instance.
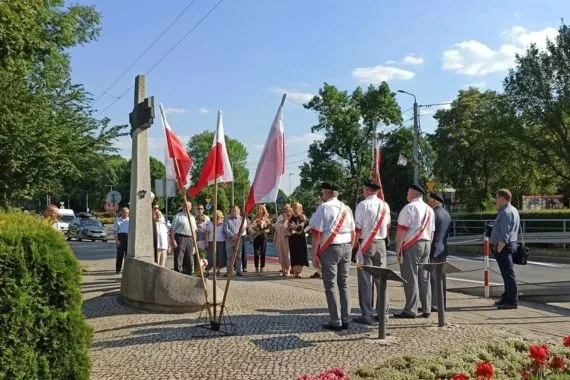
(278, 332)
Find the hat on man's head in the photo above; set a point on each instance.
(417, 188)
(329, 185)
(371, 185)
(436, 197)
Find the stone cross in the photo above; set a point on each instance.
(140, 243)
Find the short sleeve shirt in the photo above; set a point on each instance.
(181, 226)
(121, 226)
(326, 216)
(367, 215)
(412, 218)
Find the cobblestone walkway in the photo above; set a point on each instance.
(278, 331)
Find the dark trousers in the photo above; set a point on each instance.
(505, 262)
(243, 255)
(440, 259)
(121, 250)
(183, 262)
(259, 248)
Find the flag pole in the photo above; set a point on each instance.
(214, 246)
(194, 242)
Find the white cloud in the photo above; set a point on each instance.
(171, 110)
(376, 74)
(477, 84)
(305, 139)
(296, 97)
(204, 110)
(474, 58)
(429, 111)
(410, 59)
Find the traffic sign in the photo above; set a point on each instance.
(114, 197)
(281, 200)
(208, 207)
(430, 185)
(208, 200)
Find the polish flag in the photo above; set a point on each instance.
(217, 164)
(179, 163)
(271, 166)
(376, 162)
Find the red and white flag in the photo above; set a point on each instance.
(376, 162)
(271, 166)
(217, 164)
(181, 161)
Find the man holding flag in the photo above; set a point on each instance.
(372, 226)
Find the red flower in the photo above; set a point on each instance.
(539, 354)
(566, 341)
(558, 362)
(305, 377)
(484, 370)
(460, 376)
(525, 374)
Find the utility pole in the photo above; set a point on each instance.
(416, 151)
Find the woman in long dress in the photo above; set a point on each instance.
(161, 237)
(298, 240)
(218, 224)
(282, 241)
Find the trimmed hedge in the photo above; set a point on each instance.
(43, 333)
(526, 214)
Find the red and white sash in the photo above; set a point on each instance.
(407, 245)
(336, 228)
(368, 241)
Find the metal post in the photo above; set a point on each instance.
(87, 201)
(440, 296)
(454, 229)
(564, 230)
(415, 144)
(382, 307)
(486, 249)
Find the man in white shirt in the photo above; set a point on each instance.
(182, 240)
(372, 219)
(332, 227)
(121, 230)
(416, 224)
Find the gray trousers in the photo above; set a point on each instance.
(375, 255)
(183, 262)
(416, 278)
(335, 263)
(230, 245)
(439, 259)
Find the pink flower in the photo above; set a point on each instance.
(333, 374)
(558, 362)
(460, 376)
(484, 370)
(566, 341)
(539, 354)
(305, 377)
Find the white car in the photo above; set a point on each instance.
(65, 216)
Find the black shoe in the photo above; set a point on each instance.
(363, 321)
(330, 326)
(239, 274)
(244, 270)
(345, 326)
(403, 314)
(499, 302)
(507, 306)
(426, 315)
(316, 275)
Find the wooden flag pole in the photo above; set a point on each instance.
(194, 242)
(214, 247)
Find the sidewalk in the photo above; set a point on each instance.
(279, 335)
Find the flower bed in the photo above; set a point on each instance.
(501, 360)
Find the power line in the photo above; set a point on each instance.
(144, 52)
(166, 54)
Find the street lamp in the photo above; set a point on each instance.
(416, 137)
(290, 198)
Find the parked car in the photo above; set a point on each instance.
(65, 216)
(86, 228)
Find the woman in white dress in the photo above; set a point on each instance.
(161, 237)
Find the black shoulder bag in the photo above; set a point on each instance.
(520, 257)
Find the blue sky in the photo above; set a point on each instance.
(247, 52)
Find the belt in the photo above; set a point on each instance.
(337, 244)
(122, 233)
(361, 240)
(181, 235)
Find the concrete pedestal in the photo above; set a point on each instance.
(148, 286)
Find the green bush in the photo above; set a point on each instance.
(43, 333)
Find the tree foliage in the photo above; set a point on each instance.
(198, 147)
(348, 123)
(48, 132)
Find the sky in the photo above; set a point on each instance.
(244, 54)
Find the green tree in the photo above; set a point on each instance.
(537, 89)
(348, 123)
(198, 147)
(157, 171)
(48, 131)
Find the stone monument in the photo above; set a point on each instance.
(144, 284)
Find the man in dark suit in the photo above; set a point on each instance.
(438, 252)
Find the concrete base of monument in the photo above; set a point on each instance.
(147, 286)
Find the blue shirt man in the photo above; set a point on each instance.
(504, 238)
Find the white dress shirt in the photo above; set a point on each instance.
(367, 215)
(325, 218)
(412, 218)
(121, 226)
